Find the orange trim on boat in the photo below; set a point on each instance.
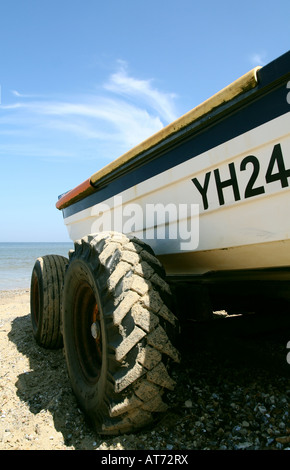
(79, 192)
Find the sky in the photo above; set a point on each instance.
(82, 82)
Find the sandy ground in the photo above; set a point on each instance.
(38, 410)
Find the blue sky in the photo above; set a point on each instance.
(84, 81)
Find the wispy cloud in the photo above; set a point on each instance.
(19, 95)
(125, 111)
(258, 58)
(123, 84)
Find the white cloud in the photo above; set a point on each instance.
(124, 113)
(32, 151)
(258, 58)
(16, 93)
(22, 95)
(163, 103)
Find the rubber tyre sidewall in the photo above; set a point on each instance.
(90, 396)
(36, 301)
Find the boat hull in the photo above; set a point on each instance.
(214, 199)
(253, 229)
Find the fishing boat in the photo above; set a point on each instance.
(209, 192)
(204, 202)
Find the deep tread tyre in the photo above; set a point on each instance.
(47, 281)
(116, 330)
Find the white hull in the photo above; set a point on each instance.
(252, 232)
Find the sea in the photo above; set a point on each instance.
(17, 261)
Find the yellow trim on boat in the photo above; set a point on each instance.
(241, 85)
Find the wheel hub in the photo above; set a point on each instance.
(95, 330)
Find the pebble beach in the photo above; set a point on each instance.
(232, 389)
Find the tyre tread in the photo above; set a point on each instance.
(50, 270)
(134, 276)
